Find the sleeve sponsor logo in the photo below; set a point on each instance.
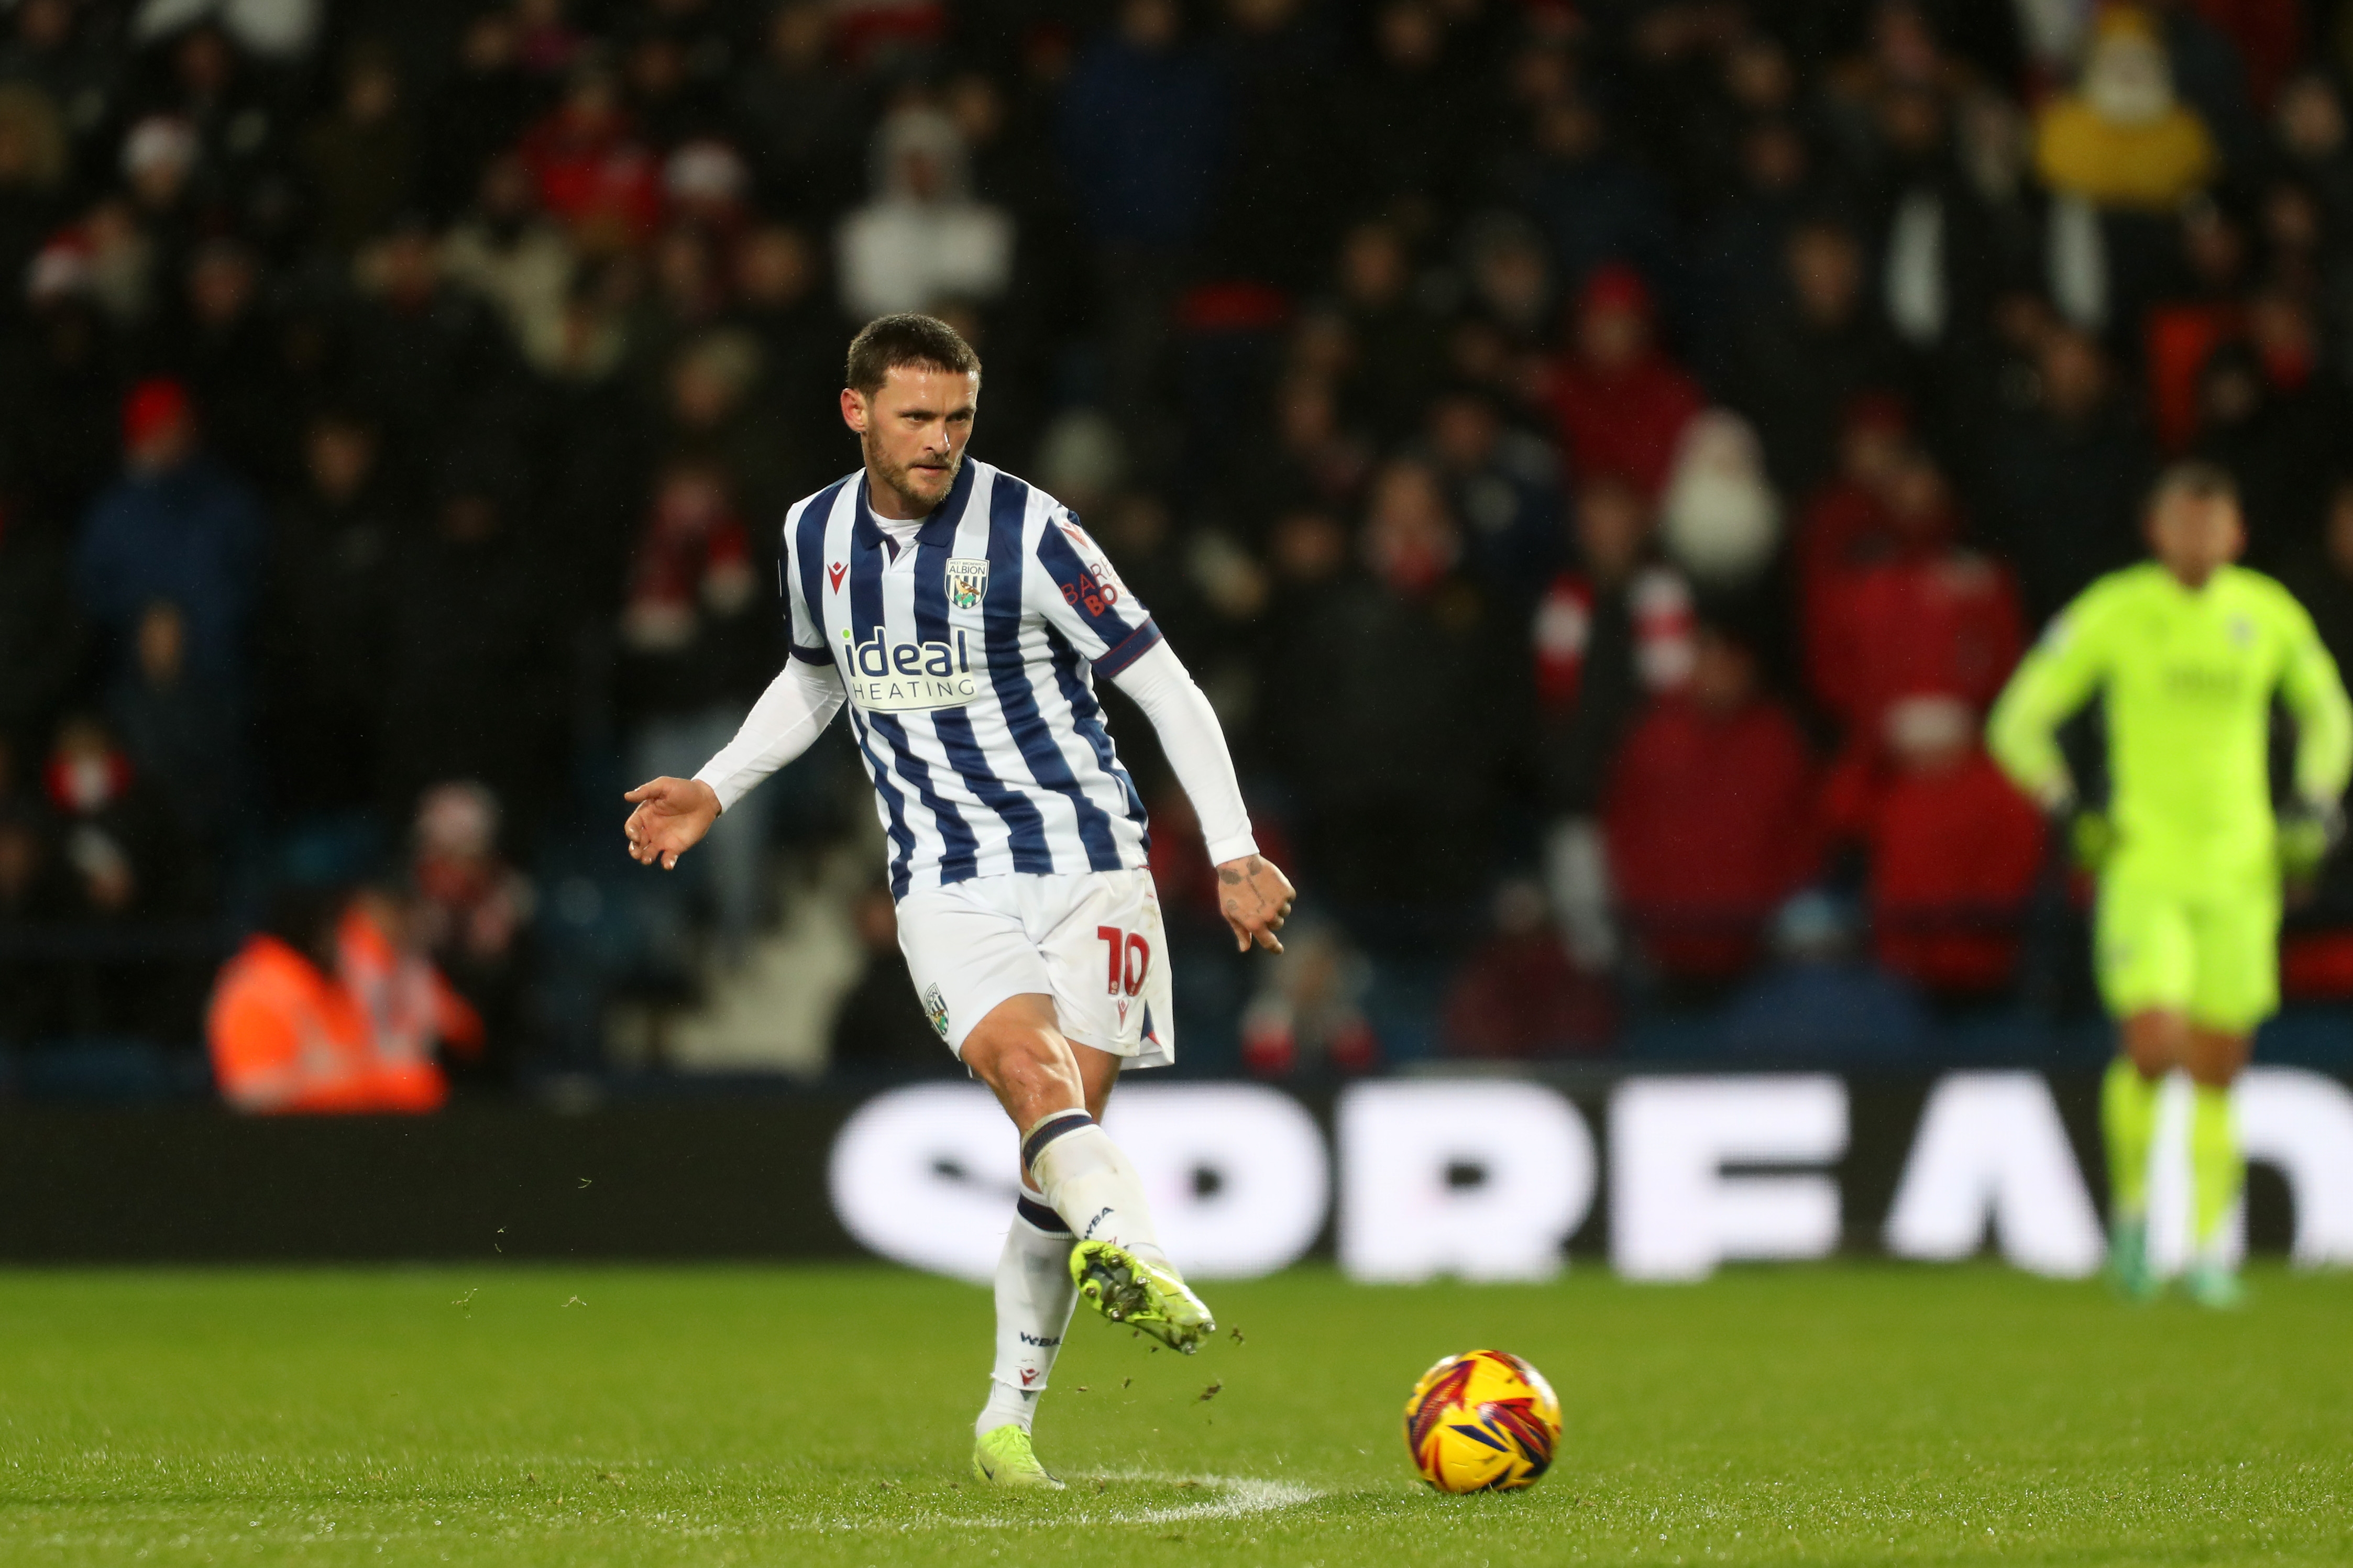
(1095, 591)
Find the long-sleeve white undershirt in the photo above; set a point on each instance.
(788, 718)
(1194, 744)
(803, 699)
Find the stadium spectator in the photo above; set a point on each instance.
(41, 631)
(1932, 618)
(923, 239)
(32, 153)
(1953, 849)
(478, 110)
(1376, 666)
(1719, 520)
(2065, 474)
(470, 912)
(225, 341)
(1596, 204)
(1145, 124)
(179, 733)
(1398, 349)
(324, 620)
(361, 160)
(1621, 404)
(1710, 816)
(1610, 632)
(472, 664)
(1504, 481)
(2123, 138)
(122, 843)
(1801, 364)
(289, 1038)
(2269, 419)
(800, 114)
(1740, 240)
(177, 527)
(694, 655)
(424, 355)
(412, 1012)
(1844, 526)
(591, 169)
(1519, 994)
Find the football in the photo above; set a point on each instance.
(1481, 1421)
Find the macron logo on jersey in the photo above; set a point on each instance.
(908, 677)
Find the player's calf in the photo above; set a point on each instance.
(1117, 1262)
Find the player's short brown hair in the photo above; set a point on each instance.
(2195, 478)
(886, 343)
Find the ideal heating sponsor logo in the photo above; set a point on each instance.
(911, 677)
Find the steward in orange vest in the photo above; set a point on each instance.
(288, 1036)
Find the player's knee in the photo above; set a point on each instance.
(1019, 1051)
(2154, 1041)
(2215, 1057)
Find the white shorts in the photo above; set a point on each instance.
(1092, 941)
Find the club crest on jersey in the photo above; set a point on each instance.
(935, 1008)
(967, 581)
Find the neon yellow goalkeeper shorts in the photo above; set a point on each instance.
(2213, 955)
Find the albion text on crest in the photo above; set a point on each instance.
(967, 581)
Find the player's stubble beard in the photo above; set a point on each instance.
(897, 477)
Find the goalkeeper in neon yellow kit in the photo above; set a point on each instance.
(2187, 651)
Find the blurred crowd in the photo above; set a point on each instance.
(1600, 457)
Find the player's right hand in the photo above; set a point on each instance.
(671, 817)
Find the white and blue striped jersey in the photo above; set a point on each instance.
(969, 659)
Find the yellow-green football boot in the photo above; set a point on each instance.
(1151, 1297)
(2214, 1285)
(2129, 1274)
(1004, 1457)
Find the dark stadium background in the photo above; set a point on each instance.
(1599, 458)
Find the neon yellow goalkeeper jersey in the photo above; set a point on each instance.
(2188, 676)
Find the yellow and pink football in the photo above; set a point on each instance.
(1481, 1421)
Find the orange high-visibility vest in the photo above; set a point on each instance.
(285, 1037)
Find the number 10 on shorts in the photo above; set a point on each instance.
(1127, 959)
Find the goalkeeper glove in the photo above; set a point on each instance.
(2092, 839)
(2307, 832)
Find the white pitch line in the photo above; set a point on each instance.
(1242, 1495)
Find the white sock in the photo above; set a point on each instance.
(1090, 1183)
(1034, 1298)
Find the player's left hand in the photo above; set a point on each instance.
(1255, 898)
(2307, 832)
(670, 818)
(2092, 839)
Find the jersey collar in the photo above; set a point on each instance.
(938, 528)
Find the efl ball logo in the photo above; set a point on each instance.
(1481, 1421)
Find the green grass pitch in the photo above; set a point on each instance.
(511, 1415)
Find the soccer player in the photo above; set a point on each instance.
(964, 617)
(2187, 652)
